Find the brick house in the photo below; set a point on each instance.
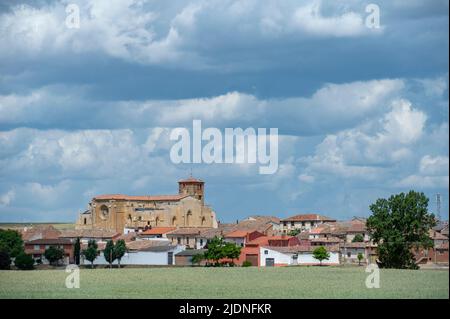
(36, 248)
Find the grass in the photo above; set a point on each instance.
(252, 282)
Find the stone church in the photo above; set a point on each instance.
(117, 212)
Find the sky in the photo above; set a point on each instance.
(362, 113)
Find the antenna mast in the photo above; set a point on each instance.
(438, 206)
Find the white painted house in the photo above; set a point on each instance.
(294, 255)
(145, 255)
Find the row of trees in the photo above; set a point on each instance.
(12, 248)
(111, 253)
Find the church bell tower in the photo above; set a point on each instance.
(193, 187)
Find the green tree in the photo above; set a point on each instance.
(91, 252)
(5, 260)
(109, 253)
(11, 242)
(358, 238)
(399, 224)
(54, 254)
(320, 253)
(24, 261)
(360, 257)
(77, 251)
(120, 249)
(215, 250)
(231, 251)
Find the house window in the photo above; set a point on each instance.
(349, 254)
(303, 224)
(84, 221)
(292, 224)
(36, 247)
(201, 242)
(179, 241)
(284, 224)
(295, 257)
(242, 244)
(266, 252)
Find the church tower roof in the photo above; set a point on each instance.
(190, 179)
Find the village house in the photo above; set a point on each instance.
(191, 237)
(85, 235)
(295, 255)
(142, 252)
(156, 233)
(303, 222)
(325, 241)
(37, 247)
(251, 251)
(350, 251)
(39, 232)
(241, 237)
(438, 254)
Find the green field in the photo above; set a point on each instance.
(288, 282)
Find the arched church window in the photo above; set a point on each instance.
(188, 218)
(104, 211)
(174, 221)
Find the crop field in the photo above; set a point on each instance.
(199, 282)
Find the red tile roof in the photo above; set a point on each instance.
(264, 240)
(238, 234)
(437, 236)
(187, 231)
(49, 241)
(158, 230)
(176, 197)
(308, 217)
(326, 240)
(89, 233)
(38, 232)
(145, 244)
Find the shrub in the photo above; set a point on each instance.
(24, 262)
(246, 264)
(5, 260)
